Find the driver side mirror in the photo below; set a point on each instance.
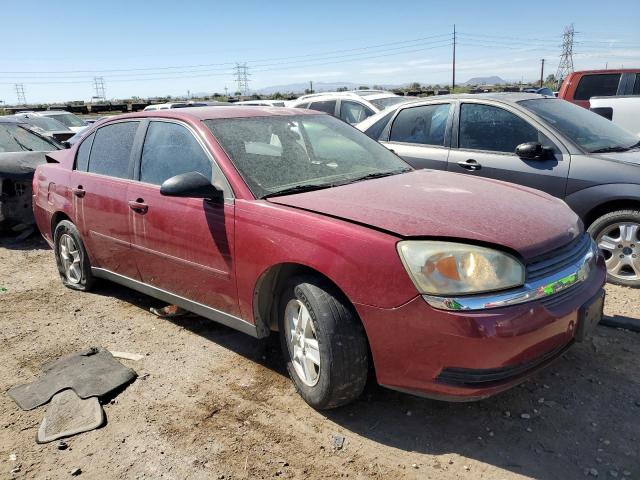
(533, 151)
(191, 185)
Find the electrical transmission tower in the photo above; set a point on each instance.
(98, 84)
(20, 94)
(242, 78)
(565, 67)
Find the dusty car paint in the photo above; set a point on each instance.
(347, 234)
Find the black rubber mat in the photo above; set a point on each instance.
(90, 373)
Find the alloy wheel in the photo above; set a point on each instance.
(302, 342)
(620, 244)
(70, 258)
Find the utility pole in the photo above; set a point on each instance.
(541, 72)
(565, 67)
(242, 77)
(453, 81)
(310, 86)
(226, 91)
(20, 94)
(98, 84)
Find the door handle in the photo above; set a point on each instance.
(138, 206)
(79, 191)
(470, 164)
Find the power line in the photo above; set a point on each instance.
(453, 79)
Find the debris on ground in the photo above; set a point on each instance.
(126, 355)
(68, 415)
(337, 442)
(90, 373)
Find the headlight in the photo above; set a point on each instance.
(447, 268)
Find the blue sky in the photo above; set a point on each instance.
(169, 48)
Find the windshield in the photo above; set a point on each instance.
(46, 123)
(382, 103)
(593, 133)
(14, 138)
(69, 119)
(279, 153)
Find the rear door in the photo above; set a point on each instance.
(421, 135)
(486, 137)
(182, 245)
(104, 165)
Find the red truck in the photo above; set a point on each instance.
(579, 87)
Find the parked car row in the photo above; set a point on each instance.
(292, 221)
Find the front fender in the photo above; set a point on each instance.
(584, 201)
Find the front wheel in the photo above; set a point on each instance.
(71, 257)
(323, 343)
(618, 237)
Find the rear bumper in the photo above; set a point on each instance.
(470, 355)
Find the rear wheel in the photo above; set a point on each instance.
(71, 257)
(323, 343)
(618, 237)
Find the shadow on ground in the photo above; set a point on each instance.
(581, 409)
(11, 241)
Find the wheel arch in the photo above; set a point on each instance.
(56, 218)
(608, 207)
(267, 291)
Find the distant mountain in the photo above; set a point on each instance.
(300, 87)
(493, 80)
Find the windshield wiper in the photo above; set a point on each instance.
(21, 145)
(299, 189)
(380, 174)
(613, 149)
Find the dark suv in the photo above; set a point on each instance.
(537, 141)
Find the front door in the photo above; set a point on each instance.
(99, 183)
(182, 245)
(420, 135)
(487, 139)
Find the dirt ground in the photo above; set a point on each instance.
(213, 403)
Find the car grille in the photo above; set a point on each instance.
(558, 259)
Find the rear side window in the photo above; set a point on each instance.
(353, 112)
(169, 150)
(111, 150)
(82, 157)
(485, 127)
(328, 106)
(636, 85)
(425, 125)
(602, 85)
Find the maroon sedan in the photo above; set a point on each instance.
(275, 219)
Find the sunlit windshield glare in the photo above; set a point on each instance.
(69, 119)
(14, 138)
(278, 153)
(382, 103)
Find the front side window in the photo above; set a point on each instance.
(327, 106)
(485, 127)
(169, 150)
(14, 138)
(600, 85)
(279, 153)
(425, 125)
(82, 157)
(111, 150)
(353, 112)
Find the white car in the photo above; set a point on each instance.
(72, 122)
(623, 110)
(352, 107)
(167, 106)
(262, 103)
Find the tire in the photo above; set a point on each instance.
(66, 241)
(342, 349)
(618, 237)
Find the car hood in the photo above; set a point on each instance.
(20, 165)
(433, 204)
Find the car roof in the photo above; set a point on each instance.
(11, 119)
(366, 94)
(610, 70)
(509, 97)
(48, 112)
(212, 113)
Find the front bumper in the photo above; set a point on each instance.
(426, 351)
